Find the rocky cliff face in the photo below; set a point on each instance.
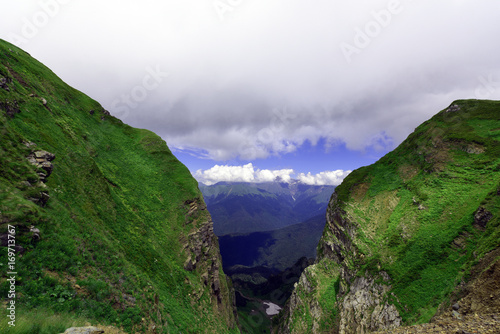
(403, 235)
(203, 252)
(110, 228)
(361, 301)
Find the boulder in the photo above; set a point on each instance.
(35, 233)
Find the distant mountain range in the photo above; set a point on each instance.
(278, 249)
(255, 207)
(267, 224)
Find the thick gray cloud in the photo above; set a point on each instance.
(254, 78)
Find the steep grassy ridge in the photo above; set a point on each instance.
(403, 234)
(125, 237)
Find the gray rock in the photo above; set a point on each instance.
(3, 83)
(34, 229)
(364, 307)
(455, 307)
(453, 108)
(48, 167)
(456, 315)
(29, 144)
(41, 159)
(482, 217)
(84, 330)
(44, 155)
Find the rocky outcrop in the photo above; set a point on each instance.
(482, 294)
(361, 301)
(200, 246)
(200, 241)
(482, 217)
(203, 256)
(477, 308)
(365, 308)
(42, 160)
(342, 232)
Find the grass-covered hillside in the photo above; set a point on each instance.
(405, 235)
(110, 227)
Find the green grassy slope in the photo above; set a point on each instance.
(414, 215)
(123, 216)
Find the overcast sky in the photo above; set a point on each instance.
(312, 86)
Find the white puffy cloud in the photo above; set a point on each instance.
(248, 173)
(332, 178)
(245, 173)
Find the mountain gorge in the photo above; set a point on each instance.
(270, 224)
(106, 227)
(285, 220)
(109, 227)
(413, 237)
